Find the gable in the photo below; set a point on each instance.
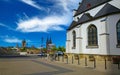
(89, 4)
(85, 17)
(106, 10)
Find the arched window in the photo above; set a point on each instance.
(74, 39)
(92, 36)
(118, 32)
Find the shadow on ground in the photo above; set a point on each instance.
(59, 69)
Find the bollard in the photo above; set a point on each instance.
(67, 60)
(94, 63)
(62, 58)
(85, 61)
(58, 58)
(72, 59)
(105, 64)
(78, 61)
(119, 65)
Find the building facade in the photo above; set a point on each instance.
(95, 29)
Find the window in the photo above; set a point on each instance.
(118, 33)
(92, 36)
(74, 39)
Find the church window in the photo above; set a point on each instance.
(118, 33)
(74, 39)
(92, 36)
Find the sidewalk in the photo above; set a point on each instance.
(44, 66)
(110, 68)
(73, 69)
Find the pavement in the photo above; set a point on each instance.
(42, 66)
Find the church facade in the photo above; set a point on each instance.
(95, 29)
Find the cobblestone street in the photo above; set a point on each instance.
(38, 66)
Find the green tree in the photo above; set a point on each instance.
(44, 50)
(54, 49)
(23, 49)
(61, 48)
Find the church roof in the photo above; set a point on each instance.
(85, 17)
(106, 10)
(73, 24)
(89, 4)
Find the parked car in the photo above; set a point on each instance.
(42, 54)
(59, 53)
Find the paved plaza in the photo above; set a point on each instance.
(39, 66)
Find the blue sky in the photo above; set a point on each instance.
(33, 19)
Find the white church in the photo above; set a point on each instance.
(95, 29)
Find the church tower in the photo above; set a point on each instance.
(48, 41)
(23, 44)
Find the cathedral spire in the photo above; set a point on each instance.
(50, 41)
(47, 40)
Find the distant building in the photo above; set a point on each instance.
(49, 44)
(17, 47)
(95, 29)
(48, 41)
(23, 44)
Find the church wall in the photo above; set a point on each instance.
(68, 42)
(78, 40)
(81, 39)
(76, 50)
(112, 21)
(101, 40)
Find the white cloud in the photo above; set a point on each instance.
(68, 5)
(42, 25)
(12, 39)
(32, 3)
(51, 22)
